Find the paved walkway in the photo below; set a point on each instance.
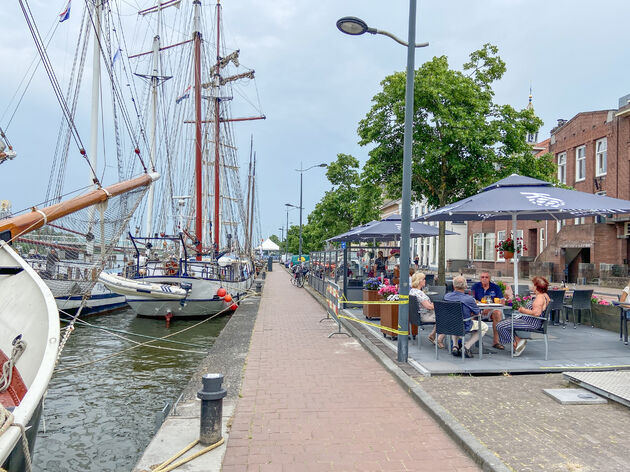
(310, 403)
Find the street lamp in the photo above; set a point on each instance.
(301, 170)
(355, 26)
(289, 207)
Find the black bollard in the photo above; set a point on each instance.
(211, 395)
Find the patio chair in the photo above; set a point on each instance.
(439, 290)
(624, 317)
(449, 285)
(542, 330)
(581, 301)
(522, 290)
(557, 301)
(449, 320)
(414, 317)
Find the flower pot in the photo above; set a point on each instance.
(389, 318)
(371, 311)
(508, 255)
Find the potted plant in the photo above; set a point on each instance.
(370, 294)
(389, 311)
(507, 247)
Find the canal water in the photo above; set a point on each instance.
(100, 416)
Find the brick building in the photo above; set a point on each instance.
(592, 152)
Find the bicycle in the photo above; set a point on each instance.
(298, 278)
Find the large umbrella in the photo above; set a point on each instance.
(387, 229)
(526, 198)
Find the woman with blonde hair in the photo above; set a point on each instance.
(425, 307)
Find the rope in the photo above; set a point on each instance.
(19, 347)
(163, 466)
(6, 421)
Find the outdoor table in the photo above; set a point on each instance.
(496, 306)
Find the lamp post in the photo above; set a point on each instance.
(301, 170)
(289, 207)
(355, 26)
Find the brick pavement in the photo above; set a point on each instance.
(529, 430)
(310, 403)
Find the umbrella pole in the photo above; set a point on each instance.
(515, 254)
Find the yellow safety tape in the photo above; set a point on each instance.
(386, 328)
(403, 300)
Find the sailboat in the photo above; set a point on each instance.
(216, 272)
(29, 327)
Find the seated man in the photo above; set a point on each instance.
(470, 307)
(486, 288)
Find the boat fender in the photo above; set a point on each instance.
(221, 292)
(227, 298)
(233, 306)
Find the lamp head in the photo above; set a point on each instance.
(323, 165)
(352, 25)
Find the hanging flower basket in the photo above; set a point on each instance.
(509, 246)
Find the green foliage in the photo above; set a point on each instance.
(462, 140)
(351, 201)
(276, 240)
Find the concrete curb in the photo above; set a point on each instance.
(480, 454)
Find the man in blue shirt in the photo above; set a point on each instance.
(486, 288)
(470, 307)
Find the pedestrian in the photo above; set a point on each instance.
(416, 261)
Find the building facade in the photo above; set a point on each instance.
(592, 154)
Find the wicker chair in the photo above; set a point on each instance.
(542, 330)
(449, 320)
(415, 319)
(581, 301)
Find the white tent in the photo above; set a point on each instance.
(268, 245)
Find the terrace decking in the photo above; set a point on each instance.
(570, 350)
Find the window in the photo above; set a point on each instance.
(541, 246)
(579, 221)
(580, 163)
(483, 246)
(560, 224)
(562, 167)
(501, 237)
(601, 157)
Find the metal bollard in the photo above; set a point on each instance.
(211, 395)
(258, 286)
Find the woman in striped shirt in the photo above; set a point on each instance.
(535, 308)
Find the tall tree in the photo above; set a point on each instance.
(351, 201)
(462, 140)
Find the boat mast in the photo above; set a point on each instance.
(217, 123)
(96, 91)
(251, 217)
(249, 180)
(198, 143)
(154, 89)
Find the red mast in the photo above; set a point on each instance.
(217, 122)
(198, 143)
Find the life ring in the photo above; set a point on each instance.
(170, 268)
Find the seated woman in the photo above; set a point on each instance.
(425, 306)
(624, 293)
(535, 308)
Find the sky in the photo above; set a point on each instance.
(315, 84)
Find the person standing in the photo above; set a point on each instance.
(416, 261)
(485, 288)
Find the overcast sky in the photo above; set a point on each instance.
(315, 83)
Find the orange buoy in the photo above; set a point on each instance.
(221, 292)
(233, 306)
(227, 298)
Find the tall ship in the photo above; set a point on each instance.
(192, 250)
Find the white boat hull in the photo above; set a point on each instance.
(27, 308)
(202, 300)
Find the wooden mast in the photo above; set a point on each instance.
(217, 123)
(23, 224)
(249, 179)
(198, 143)
(251, 218)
